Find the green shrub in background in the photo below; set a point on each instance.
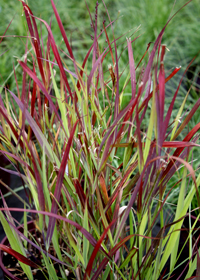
(182, 35)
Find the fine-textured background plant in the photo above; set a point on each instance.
(181, 35)
(98, 167)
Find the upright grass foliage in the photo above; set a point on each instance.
(63, 133)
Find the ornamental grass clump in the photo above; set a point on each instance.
(97, 169)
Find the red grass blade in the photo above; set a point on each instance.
(32, 123)
(59, 184)
(111, 254)
(132, 68)
(139, 141)
(62, 30)
(6, 30)
(33, 97)
(35, 39)
(83, 197)
(95, 251)
(174, 72)
(109, 45)
(162, 83)
(41, 86)
(169, 112)
(161, 100)
(120, 186)
(179, 144)
(125, 111)
(18, 256)
(116, 111)
(180, 149)
(57, 56)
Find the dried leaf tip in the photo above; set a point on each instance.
(26, 8)
(128, 39)
(141, 84)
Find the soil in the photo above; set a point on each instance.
(12, 264)
(14, 182)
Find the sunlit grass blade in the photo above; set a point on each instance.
(176, 228)
(17, 248)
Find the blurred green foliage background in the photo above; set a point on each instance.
(182, 35)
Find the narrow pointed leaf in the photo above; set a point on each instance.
(59, 183)
(95, 251)
(18, 256)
